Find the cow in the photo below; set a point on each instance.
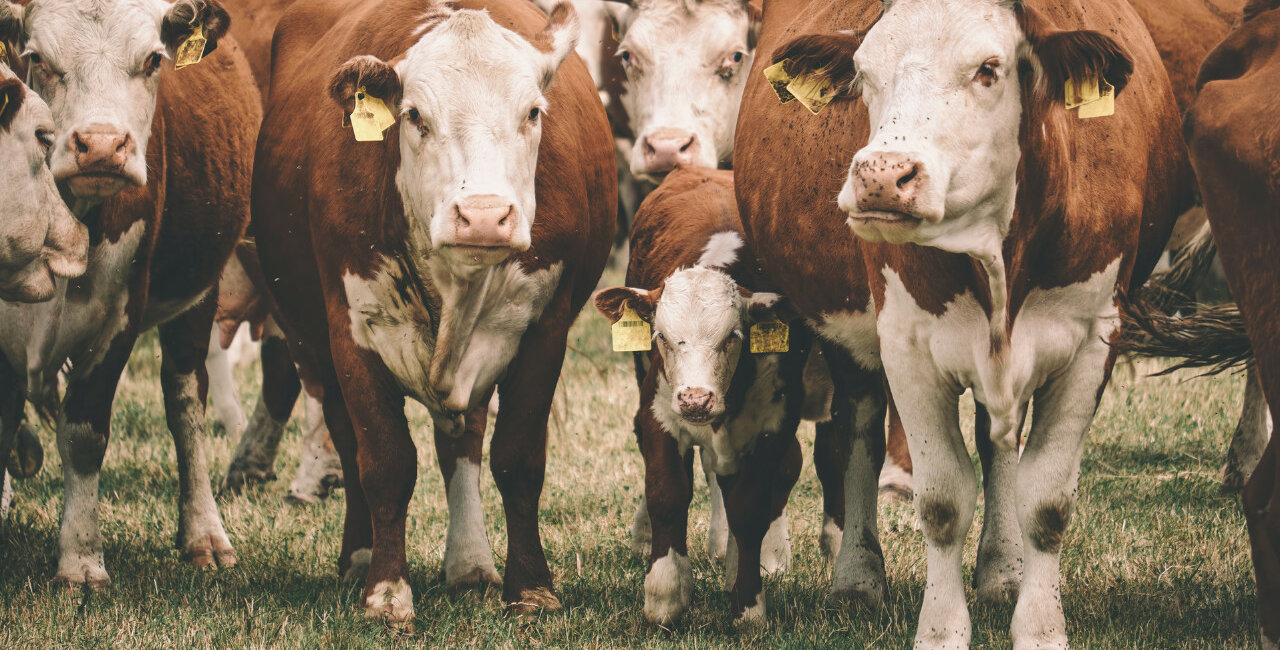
(1234, 143)
(971, 192)
(427, 272)
(689, 279)
(155, 162)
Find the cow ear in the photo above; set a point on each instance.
(755, 19)
(764, 306)
(823, 57)
(10, 24)
(619, 13)
(561, 33)
(1061, 55)
(183, 16)
(377, 77)
(11, 94)
(612, 301)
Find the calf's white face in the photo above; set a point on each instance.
(700, 318)
(945, 83)
(686, 63)
(39, 237)
(470, 123)
(97, 64)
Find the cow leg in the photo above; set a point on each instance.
(357, 527)
(830, 461)
(668, 485)
(184, 380)
(756, 502)
(999, 570)
(1047, 476)
(222, 388)
(718, 529)
(1260, 497)
(84, 426)
(468, 560)
(518, 460)
(1250, 437)
(11, 412)
(858, 413)
(320, 470)
(641, 530)
(895, 478)
(254, 460)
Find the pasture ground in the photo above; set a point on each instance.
(1154, 558)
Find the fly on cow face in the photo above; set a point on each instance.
(471, 121)
(97, 64)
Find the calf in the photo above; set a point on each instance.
(999, 229)
(427, 272)
(703, 387)
(155, 162)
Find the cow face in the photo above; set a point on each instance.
(97, 63)
(700, 317)
(39, 237)
(471, 107)
(946, 84)
(686, 63)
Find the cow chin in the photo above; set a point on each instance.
(474, 257)
(96, 186)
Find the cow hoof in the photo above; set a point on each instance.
(479, 578)
(27, 456)
(1003, 590)
(751, 617)
(238, 478)
(896, 493)
(210, 552)
(391, 602)
(1233, 481)
(85, 576)
(871, 596)
(533, 602)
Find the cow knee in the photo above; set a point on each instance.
(83, 446)
(938, 519)
(1048, 524)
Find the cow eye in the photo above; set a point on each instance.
(34, 57)
(534, 113)
(625, 55)
(45, 137)
(413, 115)
(152, 64)
(987, 72)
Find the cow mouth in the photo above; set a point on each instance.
(97, 184)
(697, 417)
(478, 255)
(883, 218)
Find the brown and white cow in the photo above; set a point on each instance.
(1234, 138)
(689, 278)
(995, 229)
(427, 272)
(156, 163)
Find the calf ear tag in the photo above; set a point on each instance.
(777, 77)
(370, 118)
(1103, 106)
(812, 91)
(769, 336)
(631, 333)
(4, 53)
(191, 50)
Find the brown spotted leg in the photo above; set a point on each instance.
(519, 458)
(895, 477)
(668, 486)
(184, 380)
(468, 560)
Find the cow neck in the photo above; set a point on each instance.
(462, 301)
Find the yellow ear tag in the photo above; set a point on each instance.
(1103, 106)
(769, 336)
(631, 333)
(191, 50)
(813, 92)
(4, 52)
(370, 118)
(1079, 92)
(777, 77)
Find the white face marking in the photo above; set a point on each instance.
(668, 588)
(940, 81)
(471, 122)
(699, 329)
(686, 63)
(39, 236)
(721, 250)
(98, 69)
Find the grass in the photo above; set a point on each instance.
(1154, 558)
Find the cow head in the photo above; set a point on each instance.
(946, 84)
(97, 63)
(700, 318)
(39, 237)
(686, 63)
(471, 106)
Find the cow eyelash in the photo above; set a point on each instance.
(152, 63)
(988, 72)
(45, 137)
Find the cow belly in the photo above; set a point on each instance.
(1049, 329)
(83, 318)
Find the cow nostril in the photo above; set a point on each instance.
(908, 177)
(685, 147)
(81, 145)
(458, 213)
(123, 143)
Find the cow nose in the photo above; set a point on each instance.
(101, 148)
(696, 403)
(664, 149)
(488, 221)
(887, 182)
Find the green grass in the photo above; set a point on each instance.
(1154, 557)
